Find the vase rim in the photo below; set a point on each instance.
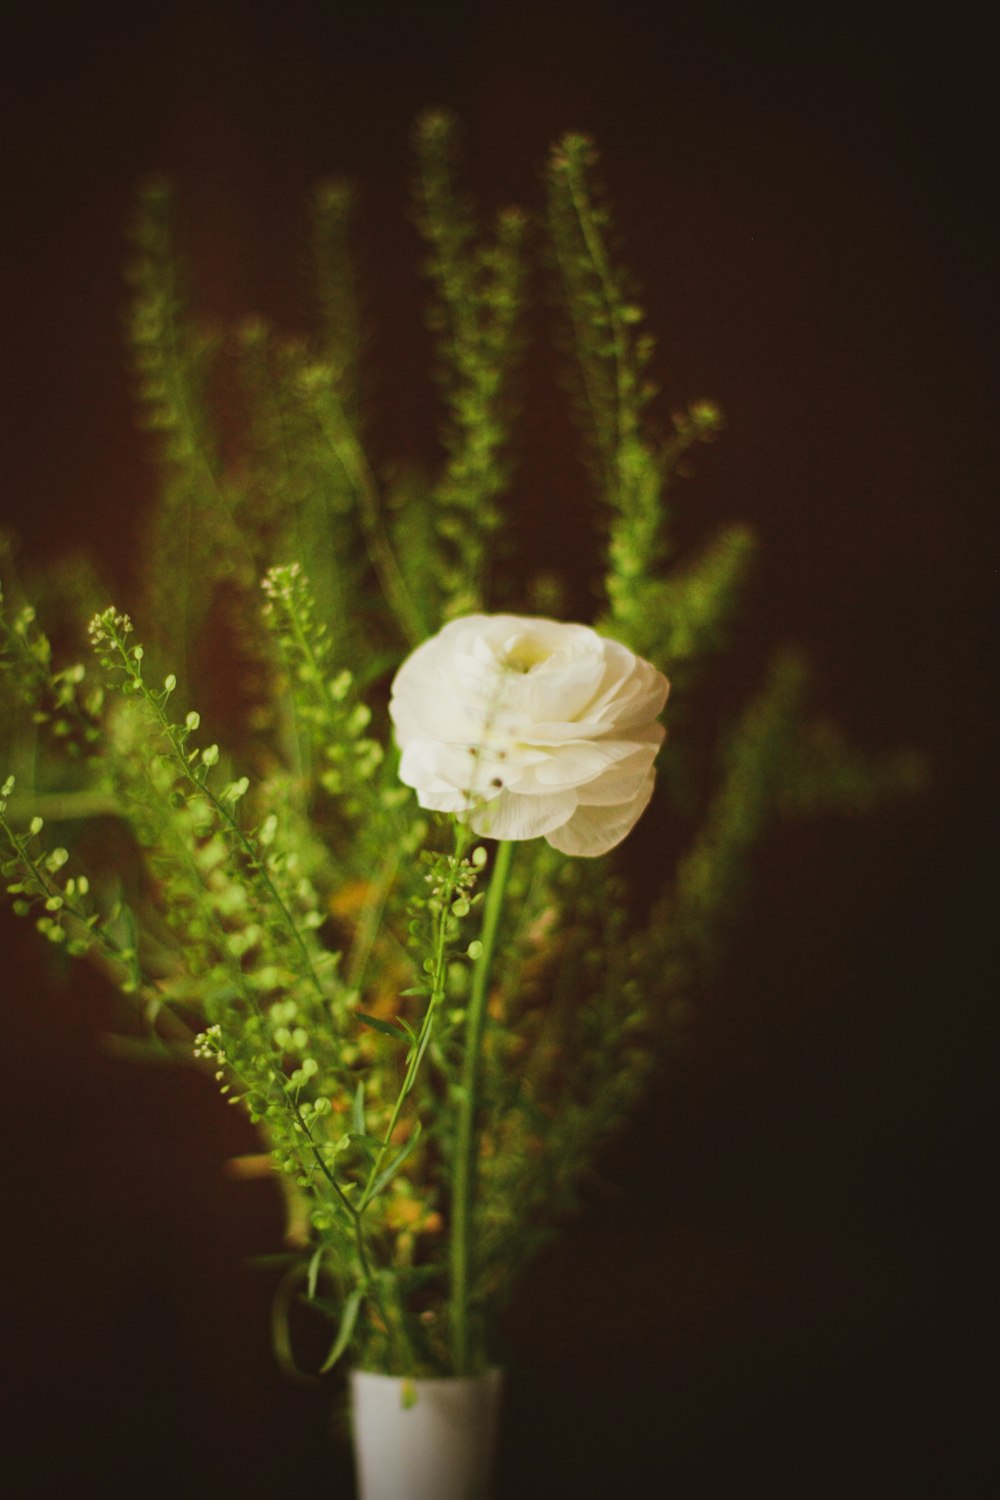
(492, 1374)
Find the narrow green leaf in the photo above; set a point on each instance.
(281, 1333)
(347, 1322)
(358, 1114)
(327, 1305)
(387, 1028)
(312, 1275)
(367, 1140)
(384, 1178)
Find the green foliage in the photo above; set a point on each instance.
(475, 318)
(330, 717)
(337, 292)
(266, 896)
(59, 698)
(192, 539)
(675, 620)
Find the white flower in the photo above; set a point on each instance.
(527, 727)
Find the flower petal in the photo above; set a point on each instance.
(620, 782)
(515, 817)
(593, 830)
(578, 763)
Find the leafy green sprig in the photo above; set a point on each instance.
(333, 718)
(193, 541)
(317, 389)
(61, 698)
(566, 1060)
(337, 291)
(64, 912)
(193, 767)
(437, 920)
(299, 502)
(475, 317)
(676, 620)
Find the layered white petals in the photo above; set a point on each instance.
(530, 728)
(594, 830)
(515, 817)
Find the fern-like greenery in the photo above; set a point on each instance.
(288, 917)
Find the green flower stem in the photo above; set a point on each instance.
(463, 1185)
(350, 455)
(369, 1281)
(419, 1047)
(580, 202)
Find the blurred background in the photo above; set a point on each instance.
(781, 1284)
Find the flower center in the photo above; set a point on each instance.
(522, 654)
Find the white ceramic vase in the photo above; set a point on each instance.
(424, 1439)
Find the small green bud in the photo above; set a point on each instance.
(193, 719)
(458, 979)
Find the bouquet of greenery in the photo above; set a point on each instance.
(435, 1008)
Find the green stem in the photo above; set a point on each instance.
(350, 455)
(419, 1047)
(594, 247)
(463, 1186)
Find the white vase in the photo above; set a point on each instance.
(424, 1439)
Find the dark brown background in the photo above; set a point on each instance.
(782, 1291)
